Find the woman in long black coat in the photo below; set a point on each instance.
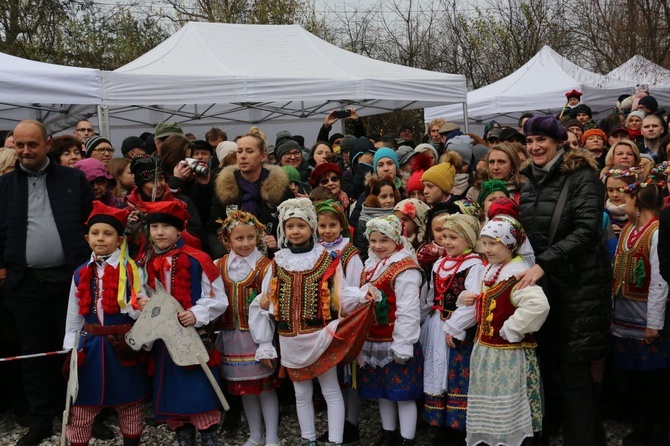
(573, 268)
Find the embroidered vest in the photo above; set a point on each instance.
(301, 298)
(447, 304)
(241, 294)
(348, 252)
(493, 309)
(382, 331)
(632, 270)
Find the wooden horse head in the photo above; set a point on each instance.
(159, 321)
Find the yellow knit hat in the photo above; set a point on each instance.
(442, 175)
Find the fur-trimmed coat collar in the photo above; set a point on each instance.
(578, 159)
(573, 160)
(272, 189)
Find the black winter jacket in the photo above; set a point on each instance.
(578, 273)
(71, 199)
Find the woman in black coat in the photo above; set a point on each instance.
(573, 268)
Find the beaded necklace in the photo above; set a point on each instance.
(442, 284)
(490, 283)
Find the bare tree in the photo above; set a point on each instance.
(608, 32)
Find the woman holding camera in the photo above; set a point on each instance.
(150, 186)
(186, 175)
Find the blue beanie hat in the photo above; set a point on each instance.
(385, 152)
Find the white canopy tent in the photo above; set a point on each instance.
(273, 76)
(538, 86)
(46, 92)
(640, 70)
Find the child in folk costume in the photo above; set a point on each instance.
(246, 336)
(103, 307)
(508, 207)
(504, 404)
(446, 364)
(183, 396)
(304, 299)
(391, 360)
(412, 212)
(431, 249)
(640, 327)
(335, 237)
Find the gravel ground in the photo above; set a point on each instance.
(289, 431)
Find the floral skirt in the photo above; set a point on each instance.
(634, 354)
(504, 405)
(394, 382)
(450, 409)
(253, 387)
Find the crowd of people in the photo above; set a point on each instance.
(485, 286)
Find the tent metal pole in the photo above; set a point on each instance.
(466, 124)
(103, 121)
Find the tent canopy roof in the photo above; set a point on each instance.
(539, 85)
(24, 81)
(264, 72)
(639, 70)
(42, 91)
(642, 71)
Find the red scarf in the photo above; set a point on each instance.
(180, 286)
(110, 288)
(634, 134)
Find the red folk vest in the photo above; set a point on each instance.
(383, 332)
(632, 270)
(493, 308)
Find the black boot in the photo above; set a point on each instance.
(658, 435)
(35, 435)
(131, 441)
(186, 435)
(403, 441)
(209, 436)
(233, 417)
(100, 431)
(387, 438)
(640, 434)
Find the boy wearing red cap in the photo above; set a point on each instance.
(573, 97)
(183, 397)
(102, 307)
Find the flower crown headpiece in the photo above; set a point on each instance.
(656, 177)
(236, 218)
(616, 172)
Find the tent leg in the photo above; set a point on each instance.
(466, 124)
(103, 121)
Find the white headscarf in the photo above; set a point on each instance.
(388, 225)
(505, 230)
(301, 208)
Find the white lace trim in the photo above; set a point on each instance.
(395, 257)
(298, 262)
(265, 351)
(375, 354)
(516, 266)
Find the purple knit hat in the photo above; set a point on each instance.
(545, 125)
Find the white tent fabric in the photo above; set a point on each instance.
(640, 70)
(538, 86)
(256, 74)
(36, 90)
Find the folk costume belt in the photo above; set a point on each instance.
(102, 330)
